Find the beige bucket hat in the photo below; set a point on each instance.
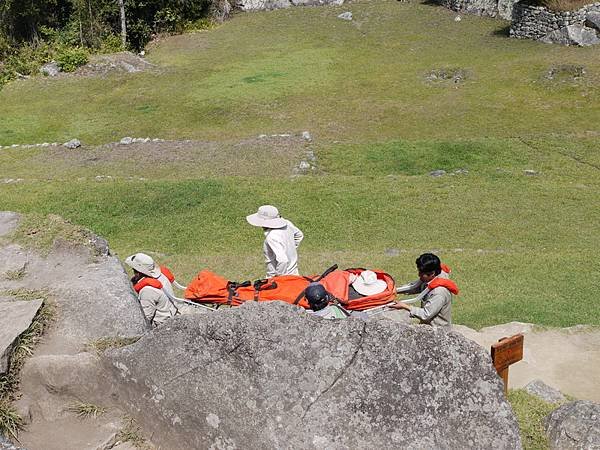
(368, 284)
(143, 264)
(267, 216)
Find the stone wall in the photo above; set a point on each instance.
(489, 8)
(536, 22)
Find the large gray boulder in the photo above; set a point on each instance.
(489, 8)
(505, 8)
(270, 375)
(15, 318)
(51, 69)
(592, 20)
(572, 35)
(574, 425)
(544, 392)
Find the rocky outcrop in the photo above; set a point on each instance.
(555, 27)
(51, 69)
(89, 292)
(15, 318)
(592, 20)
(259, 5)
(88, 286)
(574, 425)
(489, 8)
(272, 376)
(572, 35)
(544, 392)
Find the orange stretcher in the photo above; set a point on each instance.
(210, 288)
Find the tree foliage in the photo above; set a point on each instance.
(89, 22)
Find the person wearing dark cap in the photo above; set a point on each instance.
(435, 292)
(318, 298)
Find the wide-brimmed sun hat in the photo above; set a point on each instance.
(267, 216)
(368, 284)
(143, 264)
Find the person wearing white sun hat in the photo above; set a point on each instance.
(152, 283)
(282, 239)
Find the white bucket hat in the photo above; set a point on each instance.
(143, 264)
(368, 284)
(267, 216)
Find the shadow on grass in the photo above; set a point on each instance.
(504, 31)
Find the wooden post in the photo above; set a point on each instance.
(505, 352)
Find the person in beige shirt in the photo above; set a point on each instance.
(282, 239)
(153, 287)
(435, 290)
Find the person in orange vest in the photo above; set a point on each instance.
(435, 290)
(153, 287)
(282, 239)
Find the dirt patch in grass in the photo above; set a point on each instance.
(565, 73)
(276, 155)
(451, 75)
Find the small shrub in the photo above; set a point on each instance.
(86, 410)
(10, 421)
(16, 274)
(70, 58)
(28, 294)
(167, 20)
(111, 44)
(5, 47)
(200, 24)
(28, 59)
(131, 432)
(139, 34)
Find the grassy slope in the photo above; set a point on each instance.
(523, 247)
(293, 70)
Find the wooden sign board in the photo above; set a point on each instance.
(505, 352)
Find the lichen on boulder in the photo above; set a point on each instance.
(273, 376)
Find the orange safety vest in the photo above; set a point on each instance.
(153, 282)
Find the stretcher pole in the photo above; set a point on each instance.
(383, 308)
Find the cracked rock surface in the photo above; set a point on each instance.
(269, 375)
(574, 425)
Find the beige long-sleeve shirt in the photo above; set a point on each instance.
(436, 308)
(436, 305)
(156, 305)
(280, 249)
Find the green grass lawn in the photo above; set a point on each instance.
(523, 247)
